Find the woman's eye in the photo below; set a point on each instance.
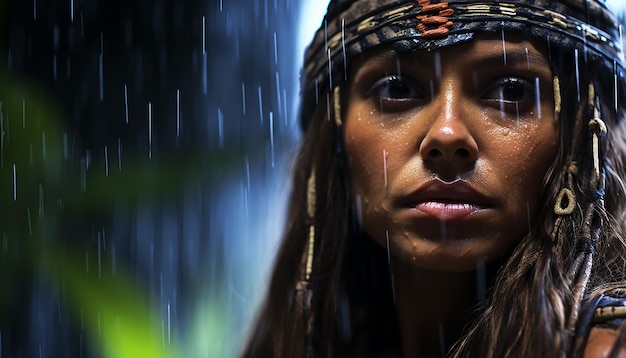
(511, 94)
(395, 93)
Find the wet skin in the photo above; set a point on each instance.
(448, 149)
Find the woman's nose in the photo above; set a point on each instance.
(449, 147)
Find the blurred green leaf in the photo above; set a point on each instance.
(116, 310)
(34, 177)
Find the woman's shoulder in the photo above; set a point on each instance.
(601, 341)
(609, 313)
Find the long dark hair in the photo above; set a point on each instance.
(560, 268)
(550, 280)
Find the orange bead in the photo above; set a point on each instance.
(446, 12)
(436, 33)
(435, 7)
(435, 20)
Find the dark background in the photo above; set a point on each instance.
(142, 171)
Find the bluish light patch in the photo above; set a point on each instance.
(618, 6)
(246, 219)
(311, 15)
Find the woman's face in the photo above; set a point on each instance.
(448, 149)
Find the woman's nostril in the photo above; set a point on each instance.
(463, 153)
(434, 153)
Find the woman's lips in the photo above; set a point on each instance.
(447, 211)
(448, 201)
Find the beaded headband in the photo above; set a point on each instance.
(352, 27)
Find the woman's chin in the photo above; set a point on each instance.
(452, 255)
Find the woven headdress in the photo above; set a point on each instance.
(352, 27)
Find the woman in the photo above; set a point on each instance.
(459, 186)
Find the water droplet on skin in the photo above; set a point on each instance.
(414, 259)
(506, 132)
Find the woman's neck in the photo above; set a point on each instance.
(430, 306)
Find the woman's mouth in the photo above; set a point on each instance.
(448, 211)
(448, 201)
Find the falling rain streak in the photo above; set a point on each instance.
(106, 161)
(343, 49)
(272, 137)
(14, 183)
(243, 98)
(615, 89)
(126, 103)
(503, 45)
(205, 75)
(169, 325)
(577, 72)
(149, 129)
(538, 97)
(385, 166)
(275, 52)
(278, 98)
(220, 126)
(247, 160)
(101, 67)
(260, 104)
(330, 71)
(177, 114)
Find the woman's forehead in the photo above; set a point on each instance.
(484, 49)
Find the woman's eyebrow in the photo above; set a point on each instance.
(517, 58)
(513, 57)
(385, 56)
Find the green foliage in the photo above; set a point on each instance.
(115, 310)
(46, 205)
(38, 193)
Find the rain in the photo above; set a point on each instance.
(145, 150)
(145, 153)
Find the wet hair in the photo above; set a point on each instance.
(564, 265)
(573, 255)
